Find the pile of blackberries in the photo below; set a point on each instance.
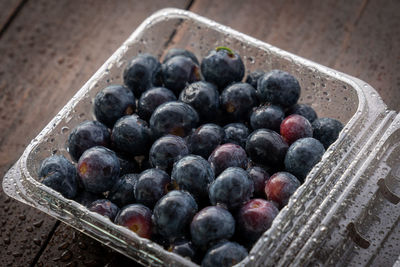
(182, 153)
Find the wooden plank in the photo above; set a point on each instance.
(72, 248)
(372, 51)
(7, 9)
(48, 52)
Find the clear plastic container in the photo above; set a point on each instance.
(344, 214)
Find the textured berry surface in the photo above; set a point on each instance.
(227, 155)
(237, 101)
(260, 178)
(222, 66)
(167, 150)
(231, 188)
(104, 207)
(175, 118)
(151, 99)
(280, 187)
(267, 116)
(86, 135)
(123, 191)
(112, 103)
(295, 127)
(193, 174)
(178, 72)
(304, 110)
(173, 52)
(183, 247)
(224, 254)
(302, 155)
(151, 185)
(254, 218)
(98, 169)
(137, 218)
(267, 147)
(279, 88)
(142, 73)
(205, 139)
(173, 213)
(127, 165)
(211, 225)
(86, 198)
(131, 136)
(236, 133)
(58, 173)
(326, 130)
(203, 97)
(253, 77)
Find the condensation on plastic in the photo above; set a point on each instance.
(313, 229)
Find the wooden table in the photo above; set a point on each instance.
(48, 49)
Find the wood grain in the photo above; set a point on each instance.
(48, 52)
(7, 9)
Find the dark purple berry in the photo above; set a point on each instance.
(205, 139)
(203, 97)
(227, 155)
(302, 155)
(123, 191)
(278, 88)
(222, 66)
(173, 52)
(224, 254)
(136, 218)
(175, 118)
(231, 188)
(142, 73)
(211, 225)
(237, 101)
(131, 136)
(59, 174)
(304, 110)
(178, 72)
(173, 214)
(98, 169)
(267, 116)
(193, 174)
(260, 178)
(151, 185)
(236, 133)
(104, 207)
(253, 77)
(266, 147)
(153, 98)
(112, 103)
(167, 150)
(183, 248)
(326, 130)
(86, 135)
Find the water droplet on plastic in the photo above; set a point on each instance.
(64, 130)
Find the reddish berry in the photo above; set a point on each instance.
(137, 218)
(255, 217)
(280, 187)
(295, 127)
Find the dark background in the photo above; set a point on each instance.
(48, 49)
